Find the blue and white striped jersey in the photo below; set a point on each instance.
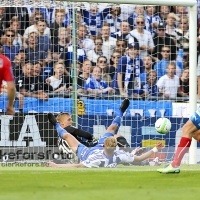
(96, 158)
(114, 23)
(151, 20)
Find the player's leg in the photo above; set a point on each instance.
(113, 128)
(189, 130)
(196, 135)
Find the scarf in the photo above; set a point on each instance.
(135, 65)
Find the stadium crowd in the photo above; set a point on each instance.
(128, 50)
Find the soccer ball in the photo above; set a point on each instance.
(163, 125)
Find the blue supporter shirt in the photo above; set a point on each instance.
(92, 83)
(114, 23)
(44, 43)
(152, 90)
(160, 67)
(10, 52)
(35, 54)
(151, 20)
(122, 64)
(81, 55)
(94, 22)
(143, 77)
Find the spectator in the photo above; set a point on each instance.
(143, 36)
(121, 46)
(163, 39)
(2, 20)
(93, 19)
(18, 40)
(168, 85)
(18, 96)
(171, 25)
(112, 69)
(34, 51)
(67, 18)
(17, 13)
(93, 55)
(34, 28)
(160, 67)
(58, 81)
(96, 85)
(114, 19)
(59, 17)
(153, 19)
(182, 36)
(62, 43)
(18, 63)
(126, 10)
(147, 63)
(109, 43)
(181, 11)
(128, 72)
(84, 75)
(149, 87)
(44, 41)
(139, 10)
(164, 11)
(84, 42)
(79, 20)
(102, 63)
(67, 55)
(33, 11)
(124, 31)
(184, 83)
(9, 50)
(29, 85)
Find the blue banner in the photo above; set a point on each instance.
(90, 106)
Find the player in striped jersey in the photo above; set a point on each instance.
(104, 154)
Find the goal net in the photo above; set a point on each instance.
(84, 58)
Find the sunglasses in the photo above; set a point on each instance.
(10, 35)
(102, 61)
(116, 56)
(183, 23)
(140, 22)
(165, 51)
(98, 43)
(161, 29)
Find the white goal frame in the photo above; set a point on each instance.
(192, 4)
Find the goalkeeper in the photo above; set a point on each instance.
(104, 154)
(65, 121)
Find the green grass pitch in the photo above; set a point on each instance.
(123, 183)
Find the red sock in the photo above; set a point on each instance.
(183, 147)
